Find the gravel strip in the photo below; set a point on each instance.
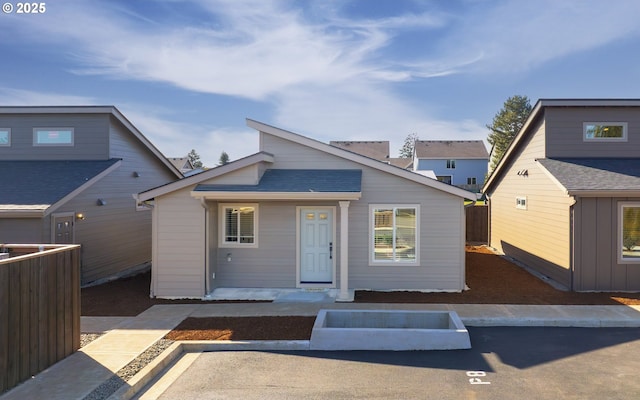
(107, 388)
(86, 338)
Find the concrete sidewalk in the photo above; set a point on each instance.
(127, 337)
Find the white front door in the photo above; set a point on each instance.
(316, 245)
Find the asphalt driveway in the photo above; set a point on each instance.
(504, 363)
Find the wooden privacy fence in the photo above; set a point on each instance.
(477, 217)
(39, 309)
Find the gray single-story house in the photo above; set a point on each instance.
(304, 214)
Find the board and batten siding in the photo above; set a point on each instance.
(596, 244)
(538, 236)
(565, 132)
(90, 139)
(179, 238)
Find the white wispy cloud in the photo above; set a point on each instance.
(21, 97)
(323, 71)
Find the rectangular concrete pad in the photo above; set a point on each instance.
(398, 330)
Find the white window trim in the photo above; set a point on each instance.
(35, 137)
(375, 263)
(518, 201)
(450, 164)
(621, 206)
(221, 226)
(622, 139)
(8, 130)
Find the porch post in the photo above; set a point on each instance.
(344, 251)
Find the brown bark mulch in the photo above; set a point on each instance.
(491, 279)
(244, 328)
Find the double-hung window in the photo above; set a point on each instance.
(451, 164)
(238, 225)
(629, 232)
(394, 234)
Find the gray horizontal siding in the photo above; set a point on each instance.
(116, 237)
(21, 230)
(91, 139)
(273, 264)
(565, 132)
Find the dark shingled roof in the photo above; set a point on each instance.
(297, 180)
(595, 173)
(45, 182)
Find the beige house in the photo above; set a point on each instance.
(304, 214)
(565, 198)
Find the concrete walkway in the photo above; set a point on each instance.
(127, 337)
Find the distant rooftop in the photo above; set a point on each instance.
(373, 149)
(460, 149)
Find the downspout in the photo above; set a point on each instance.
(207, 286)
(572, 249)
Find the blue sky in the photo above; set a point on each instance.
(188, 73)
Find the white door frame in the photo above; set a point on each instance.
(332, 284)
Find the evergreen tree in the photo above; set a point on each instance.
(506, 125)
(409, 144)
(195, 159)
(224, 158)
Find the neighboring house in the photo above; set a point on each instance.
(183, 164)
(462, 163)
(565, 198)
(378, 150)
(304, 214)
(69, 176)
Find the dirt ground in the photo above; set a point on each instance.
(491, 280)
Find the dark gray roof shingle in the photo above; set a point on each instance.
(297, 180)
(45, 182)
(595, 173)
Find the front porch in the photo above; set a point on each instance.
(282, 295)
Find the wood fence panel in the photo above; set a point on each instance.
(39, 310)
(477, 221)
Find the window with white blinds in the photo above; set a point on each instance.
(238, 225)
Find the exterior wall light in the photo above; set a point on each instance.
(80, 216)
(228, 257)
(136, 174)
(101, 202)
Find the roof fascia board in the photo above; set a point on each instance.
(22, 213)
(360, 159)
(213, 195)
(537, 111)
(604, 193)
(206, 175)
(82, 187)
(120, 117)
(552, 177)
